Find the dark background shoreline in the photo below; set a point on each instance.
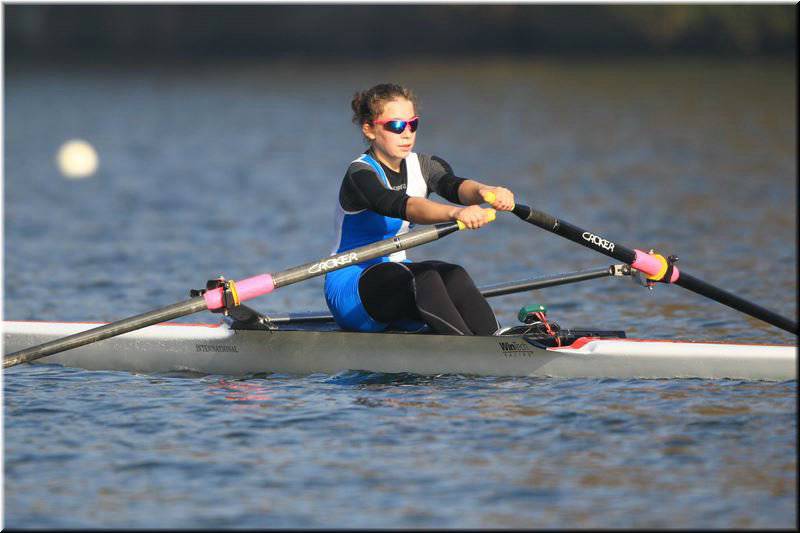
(40, 33)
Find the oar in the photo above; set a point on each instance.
(238, 292)
(655, 266)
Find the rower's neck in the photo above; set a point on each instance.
(391, 162)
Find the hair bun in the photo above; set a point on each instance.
(368, 105)
(356, 103)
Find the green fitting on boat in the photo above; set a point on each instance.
(525, 314)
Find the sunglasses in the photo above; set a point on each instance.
(398, 126)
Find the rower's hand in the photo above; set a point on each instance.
(499, 198)
(474, 216)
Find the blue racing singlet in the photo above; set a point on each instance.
(359, 228)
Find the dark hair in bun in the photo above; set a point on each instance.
(368, 105)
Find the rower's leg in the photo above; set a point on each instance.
(467, 298)
(410, 291)
(435, 305)
(386, 290)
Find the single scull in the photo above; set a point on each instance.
(256, 344)
(320, 347)
(248, 343)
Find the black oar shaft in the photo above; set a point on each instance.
(575, 234)
(693, 284)
(612, 249)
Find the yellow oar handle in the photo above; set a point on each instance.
(489, 197)
(491, 215)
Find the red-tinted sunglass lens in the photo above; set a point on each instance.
(414, 124)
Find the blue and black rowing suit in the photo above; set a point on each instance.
(391, 291)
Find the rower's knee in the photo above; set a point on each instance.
(429, 277)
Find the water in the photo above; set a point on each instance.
(231, 169)
(358, 450)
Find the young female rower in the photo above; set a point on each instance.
(384, 190)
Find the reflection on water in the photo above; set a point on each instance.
(233, 169)
(240, 391)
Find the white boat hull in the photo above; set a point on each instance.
(216, 349)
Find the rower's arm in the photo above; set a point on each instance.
(469, 193)
(424, 211)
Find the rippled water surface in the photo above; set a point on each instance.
(234, 169)
(356, 450)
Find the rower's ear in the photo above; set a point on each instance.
(368, 130)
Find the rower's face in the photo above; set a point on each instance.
(395, 145)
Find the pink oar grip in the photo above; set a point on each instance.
(214, 298)
(256, 286)
(651, 266)
(247, 289)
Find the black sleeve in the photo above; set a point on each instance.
(362, 189)
(440, 177)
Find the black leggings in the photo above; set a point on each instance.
(440, 294)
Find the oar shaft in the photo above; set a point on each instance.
(106, 331)
(646, 263)
(250, 288)
(364, 253)
(575, 234)
(693, 284)
(247, 289)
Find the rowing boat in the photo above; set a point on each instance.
(249, 343)
(303, 346)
